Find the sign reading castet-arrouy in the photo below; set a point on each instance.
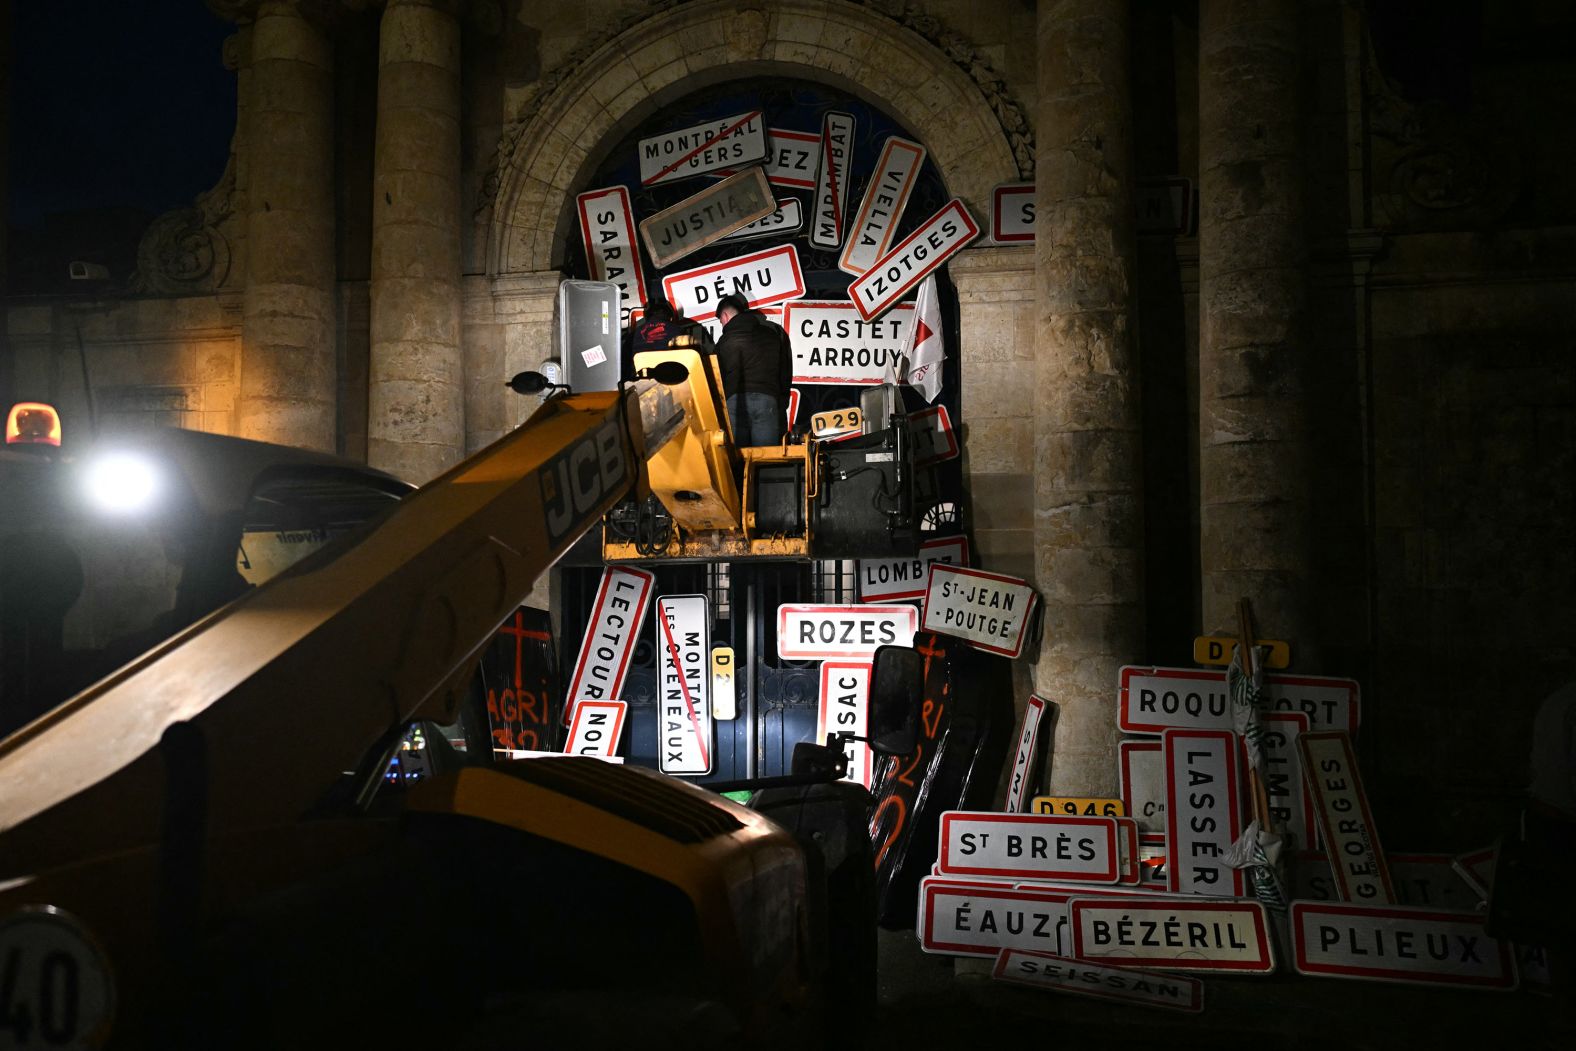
(830, 208)
(1203, 810)
(832, 344)
(891, 277)
(899, 579)
(710, 215)
(1226, 936)
(1040, 970)
(728, 142)
(1024, 759)
(874, 225)
(990, 610)
(683, 684)
(1030, 846)
(616, 617)
(771, 275)
(1394, 944)
(1350, 838)
(607, 227)
(815, 631)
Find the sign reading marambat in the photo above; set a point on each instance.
(708, 216)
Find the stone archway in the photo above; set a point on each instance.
(551, 147)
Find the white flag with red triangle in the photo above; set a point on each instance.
(924, 349)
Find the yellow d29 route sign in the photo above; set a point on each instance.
(1216, 650)
(1077, 806)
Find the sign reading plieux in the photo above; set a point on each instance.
(990, 610)
(1023, 761)
(596, 728)
(1226, 936)
(1030, 846)
(1350, 838)
(1393, 944)
(890, 277)
(960, 919)
(771, 275)
(616, 616)
(684, 675)
(723, 143)
(1203, 810)
(607, 226)
(827, 632)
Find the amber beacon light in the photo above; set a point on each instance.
(32, 423)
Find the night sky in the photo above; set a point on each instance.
(116, 104)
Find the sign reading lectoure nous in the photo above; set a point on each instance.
(990, 610)
(616, 616)
(596, 728)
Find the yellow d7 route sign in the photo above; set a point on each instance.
(1217, 650)
(1077, 806)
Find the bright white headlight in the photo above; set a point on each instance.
(121, 483)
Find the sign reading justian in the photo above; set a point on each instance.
(707, 216)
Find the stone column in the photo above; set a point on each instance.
(1253, 455)
(1088, 512)
(288, 391)
(415, 398)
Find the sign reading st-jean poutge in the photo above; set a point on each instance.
(990, 610)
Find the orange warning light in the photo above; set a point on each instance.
(32, 423)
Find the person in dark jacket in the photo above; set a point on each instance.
(757, 367)
(658, 329)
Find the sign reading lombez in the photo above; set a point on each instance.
(897, 579)
(723, 143)
(1203, 814)
(607, 227)
(771, 275)
(708, 216)
(1390, 944)
(684, 673)
(616, 616)
(990, 610)
(890, 277)
(893, 180)
(831, 182)
(845, 707)
(828, 632)
(1226, 936)
(1350, 838)
(1151, 700)
(832, 344)
(1030, 846)
(1058, 974)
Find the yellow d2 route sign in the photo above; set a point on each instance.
(1216, 650)
(1077, 806)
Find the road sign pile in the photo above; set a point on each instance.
(1127, 898)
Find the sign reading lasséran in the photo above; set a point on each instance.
(707, 216)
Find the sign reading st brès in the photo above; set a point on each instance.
(990, 610)
(891, 277)
(728, 142)
(812, 631)
(832, 344)
(1029, 846)
(607, 227)
(771, 275)
(707, 216)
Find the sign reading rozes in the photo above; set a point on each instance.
(826, 632)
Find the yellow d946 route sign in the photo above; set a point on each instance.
(1077, 806)
(1217, 650)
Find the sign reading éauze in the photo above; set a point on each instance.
(812, 631)
(616, 616)
(990, 610)
(771, 275)
(832, 344)
(897, 579)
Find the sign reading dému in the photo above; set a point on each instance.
(990, 610)
(710, 215)
(727, 142)
(1030, 846)
(832, 344)
(771, 275)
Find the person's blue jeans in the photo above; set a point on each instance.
(757, 419)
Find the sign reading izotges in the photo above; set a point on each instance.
(616, 617)
(728, 142)
(771, 275)
(607, 226)
(876, 222)
(891, 277)
(707, 216)
(990, 610)
(830, 207)
(684, 675)
(827, 632)
(898, 579)
(845, 707)
(832, 344)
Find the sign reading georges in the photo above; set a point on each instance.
(897, 579)
(723, 143)
(1141, 773)
(831, 182)
(1391, 944)
(787, 219)
(1203, 810)
(890, 277)
(1151, 700)
(845, 707)
(1012, 213)
(596, 728)
(1030, 846)
(683, 674)
(1290, 805)
(607, 226)
(707, 216)
(1225, 936)
(616, 616)
(876, 222)
(1350, 838)
(832, 344)
(1041, 970)
(771, 275)
(1023, 760)
(990, 610)
(963, 920)
(812, 631)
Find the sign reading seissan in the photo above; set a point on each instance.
(832, 344)
(990, 610)
(813, 631)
